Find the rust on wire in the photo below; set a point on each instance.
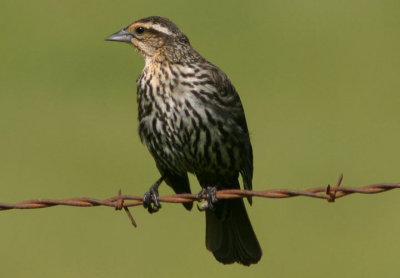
(331, 191)
(119, 205)
(119, 202)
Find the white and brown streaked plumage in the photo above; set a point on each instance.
(192, 120)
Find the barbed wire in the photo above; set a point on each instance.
(119, 202)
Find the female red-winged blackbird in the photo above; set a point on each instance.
(192, 120)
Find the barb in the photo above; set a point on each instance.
(119, 202)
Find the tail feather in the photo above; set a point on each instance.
(229, 234)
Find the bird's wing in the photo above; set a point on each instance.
(228, 104)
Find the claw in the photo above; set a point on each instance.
(151, 198)
(203, 206)
(210, 193)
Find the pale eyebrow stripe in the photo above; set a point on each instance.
(161, 29)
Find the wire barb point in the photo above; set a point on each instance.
(119, 205)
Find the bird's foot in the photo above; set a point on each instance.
(210, 198)
(151, 198)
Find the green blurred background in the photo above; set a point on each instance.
(320, 83)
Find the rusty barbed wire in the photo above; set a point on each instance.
(329, 193)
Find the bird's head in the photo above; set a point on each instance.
(155, 38)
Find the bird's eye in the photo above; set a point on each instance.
(140, 30)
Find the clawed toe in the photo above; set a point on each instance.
(210, 198)
(151, 198)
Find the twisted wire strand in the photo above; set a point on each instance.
(119, 202)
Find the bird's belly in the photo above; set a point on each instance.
(170, 142)
(180, 144)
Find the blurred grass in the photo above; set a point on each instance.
(320, 84)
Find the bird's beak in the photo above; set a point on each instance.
(120, 36)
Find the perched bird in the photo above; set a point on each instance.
(191, 119)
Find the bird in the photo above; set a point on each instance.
(192, 121)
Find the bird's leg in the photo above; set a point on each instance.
(150, 198)
(210, 193)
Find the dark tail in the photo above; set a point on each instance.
(229, 234)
